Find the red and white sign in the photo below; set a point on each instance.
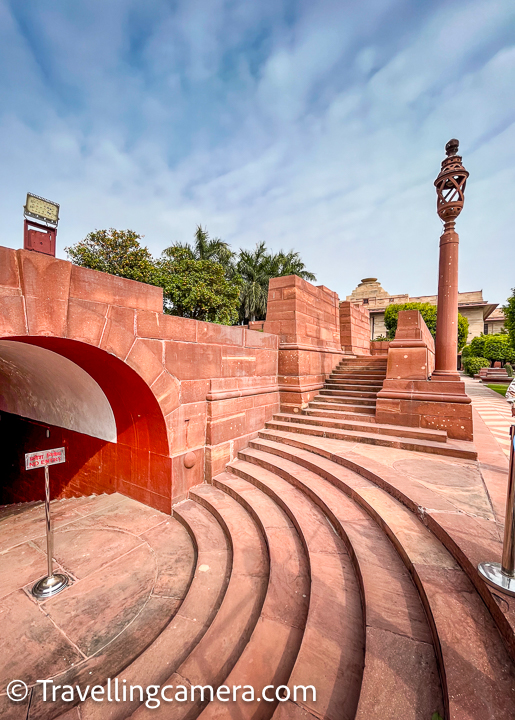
(44, 457)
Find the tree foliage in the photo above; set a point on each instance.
(117, 252)
(206, 248)
(497, 347)
(509, 314)
(204, 280)
(198, 289)
(429, 314)
(256, 268)
(494, 348)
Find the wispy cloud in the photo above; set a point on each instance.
(318, 126)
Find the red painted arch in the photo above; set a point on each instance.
(138, 464)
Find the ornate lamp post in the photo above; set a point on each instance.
(450, 189)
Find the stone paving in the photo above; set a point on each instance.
(130, 567)
(493, 409)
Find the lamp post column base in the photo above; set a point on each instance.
(50, 586)
(493, 574)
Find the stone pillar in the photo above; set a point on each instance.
(447, 322)
(450, 188)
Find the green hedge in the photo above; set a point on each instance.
(472, 365)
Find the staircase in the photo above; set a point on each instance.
(311, 571)
(316, 565)
(345, 410)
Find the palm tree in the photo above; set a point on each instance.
(290, 264)
(206, 248)
(254, 267)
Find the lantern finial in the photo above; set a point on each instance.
(450, 186)
(452, 147)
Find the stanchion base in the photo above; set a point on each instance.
(492, 574)
(49, 586)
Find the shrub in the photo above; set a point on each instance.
(497, 347)
(472, 365)
(428, 312)
(509, 369)
(477, 346)
(380, 338)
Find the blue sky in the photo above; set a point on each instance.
(318, 126)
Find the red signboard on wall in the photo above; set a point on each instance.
(44, 457)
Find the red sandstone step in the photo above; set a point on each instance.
(331, 410)
(271, 652)
(355, 377)
(351, 390)
(326, 421)
(359, 375)
(362, 368)
(401, 675)
(469, 537)
(360, 411)
(344, 397)
(398, 441)
(331, 653)
(194, 617)
(478, 675)
(369, 364)
(217, 652)
(365, 384)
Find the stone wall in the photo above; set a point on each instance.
(379, 347)
(306, 319)
(186, 395)
(355, 328)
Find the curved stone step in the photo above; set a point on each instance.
(178, 639)
(331, 654)
(401, 674)
(270, 654)
(325, 421)
(469, 536)
(478, 676)
(216, 653)
(449, 449)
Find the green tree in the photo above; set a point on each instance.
(197, 289)
(509, 314)
(429, 313)
(117, 252)
(477, 346)
(206, 248)
(497, 347)
(289, 263)
(256, 268)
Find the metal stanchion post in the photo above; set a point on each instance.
(502, 575)
(51, 584)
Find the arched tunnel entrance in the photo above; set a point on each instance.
(56, 392)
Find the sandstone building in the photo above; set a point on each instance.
(483, 317)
